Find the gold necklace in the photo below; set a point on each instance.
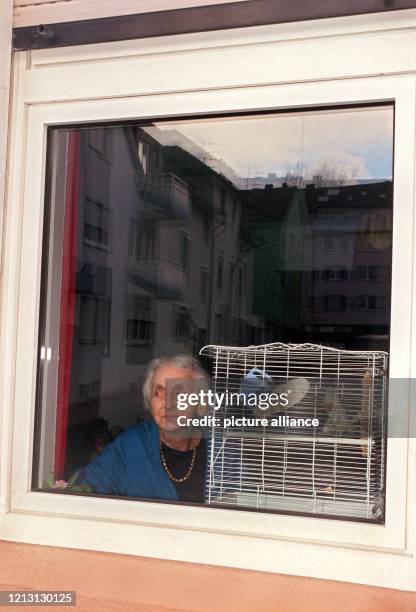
(167, 470)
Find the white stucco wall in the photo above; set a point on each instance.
(6, 11)
(6, 14)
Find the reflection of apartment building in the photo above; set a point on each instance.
(161, 267)
(322, 259)
(199, 277)
(351, 243)
(221, 265)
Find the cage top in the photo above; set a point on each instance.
(214, 350)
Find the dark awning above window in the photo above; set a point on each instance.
(194, 19)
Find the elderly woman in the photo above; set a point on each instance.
(156, 459)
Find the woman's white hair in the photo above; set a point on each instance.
(183, 362)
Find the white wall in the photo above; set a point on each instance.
(33, 12)
(6, 12)
(6, 7)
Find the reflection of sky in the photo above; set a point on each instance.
(378, 160)
(347, 144)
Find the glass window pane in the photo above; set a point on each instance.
(235, 231)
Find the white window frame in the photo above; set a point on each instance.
(327, 62)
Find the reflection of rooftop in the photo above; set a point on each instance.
(266, 204)
(375, 195)
(272, 203)
(200, 178)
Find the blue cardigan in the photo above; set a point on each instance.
(130, 466)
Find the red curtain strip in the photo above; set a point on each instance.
(68, 297)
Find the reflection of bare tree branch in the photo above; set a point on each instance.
(294, 176)
(324, 175)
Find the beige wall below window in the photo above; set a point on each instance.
(5, 57)
(155, 585)
(33, 12)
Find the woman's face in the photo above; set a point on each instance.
(167, 382)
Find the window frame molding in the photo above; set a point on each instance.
(322, 548)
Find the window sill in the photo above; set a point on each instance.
(144, 534)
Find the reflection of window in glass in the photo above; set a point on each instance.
(375, 231)
(312, 304)
(97, 223)
(334, 303)
(362, 272)
(134, 242)
(95, 313)
(149, 242)
(372, 272)
(335, 244)
(142, 240)
(206, 227)
(95, 387)
(95, 280)
(181, 323)
(328, 275)
(139, 326)
(362, 302)
(218, 327)
(84, 391)
(148, 153)
(94, 289)
(367, 272)
(139, 331)
(329, 244)
(220, 270)
(203, 284)
(89, 391)
(342, 274)
(344, 244)
(142, 154)
(381, 302)
(366, 303)
(155, 169)
(185, 251)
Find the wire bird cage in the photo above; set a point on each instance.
(336, 468)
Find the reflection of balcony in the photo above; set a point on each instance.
(157, 279)
(165, 196)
